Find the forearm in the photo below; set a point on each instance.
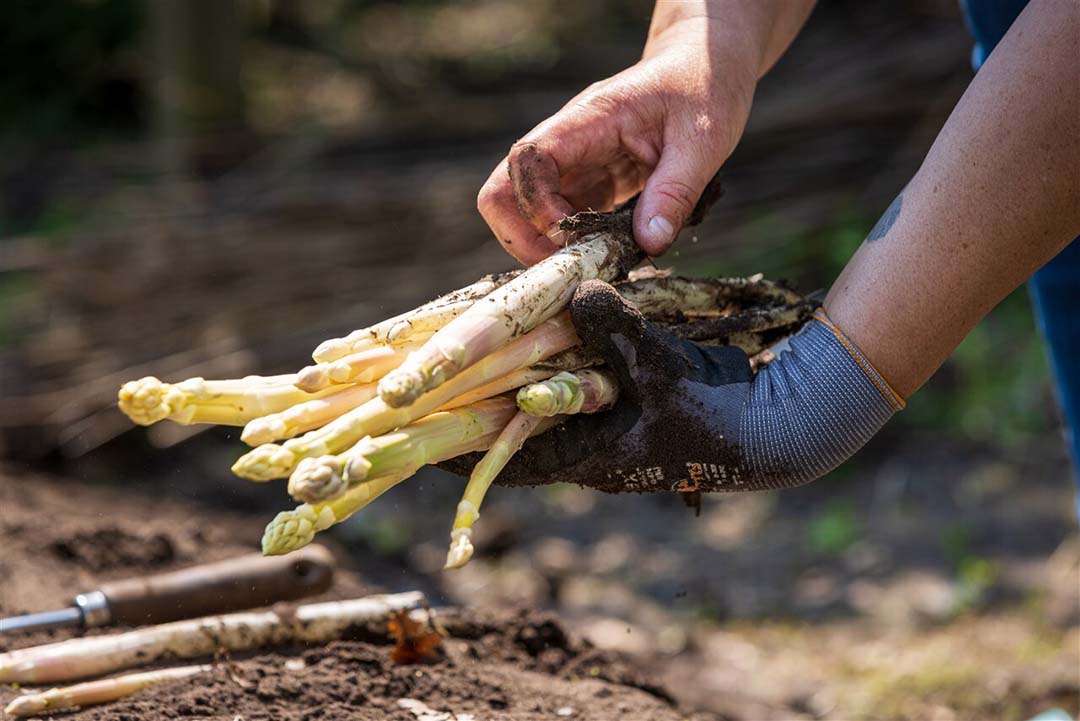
(756, 31)
(995, 199)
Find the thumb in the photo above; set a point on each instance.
(670, 194)
(642, 354)
(612, 328)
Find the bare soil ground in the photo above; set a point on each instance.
(59, 537)
(937, 583)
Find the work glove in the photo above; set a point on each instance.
(694, 418)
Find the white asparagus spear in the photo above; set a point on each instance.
(231, 402)
(306, 416)
(366, 366)
(509, 442)
(95, 655)
(539, 293)
(96, 692)
(374, 418)
(433, 438)
(542, 404)
(413, 324)
(510, 381)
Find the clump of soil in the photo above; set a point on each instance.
(60, 538)
(508, 665)
(111, 547)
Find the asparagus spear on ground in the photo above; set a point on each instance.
(537, 294)
(375, 418)
(95, 655)
(96, 692)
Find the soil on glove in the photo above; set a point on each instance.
(60, 538)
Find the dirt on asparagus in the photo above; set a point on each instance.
(61, 537)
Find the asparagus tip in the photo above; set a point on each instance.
(292, 530)
(313, 378)
(265, 463)
(401, 387)
(559, 394)
(421, 372)
(263, 430)
(330, 350)
(339, 372)
(461, 548)
(317, 480)
(147, 400)
(26, 705)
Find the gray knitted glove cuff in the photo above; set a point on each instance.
(810, 409)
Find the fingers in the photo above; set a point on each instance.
(589, 189)
(645, 358)
(598, 311)
(611, 327)
(671, 193)
(499, 209)
(573, 161)
(535, 179)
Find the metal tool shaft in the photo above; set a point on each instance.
(71, 616)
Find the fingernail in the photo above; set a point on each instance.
(660, 231)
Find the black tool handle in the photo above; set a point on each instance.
(236, 584)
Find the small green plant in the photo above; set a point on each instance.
(834, 529)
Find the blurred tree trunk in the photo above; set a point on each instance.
(197, 93)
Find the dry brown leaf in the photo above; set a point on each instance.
(413, 640)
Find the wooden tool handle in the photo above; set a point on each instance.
(236, 584)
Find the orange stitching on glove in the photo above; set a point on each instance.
(882, 385)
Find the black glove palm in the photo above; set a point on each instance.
(673, 427)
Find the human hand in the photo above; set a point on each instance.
(662, 127)
(694, 418)
(673, 415)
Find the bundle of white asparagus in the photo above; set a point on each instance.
(480, 369)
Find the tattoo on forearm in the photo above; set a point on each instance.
(885, 223)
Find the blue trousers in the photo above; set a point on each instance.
(1055, 288)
